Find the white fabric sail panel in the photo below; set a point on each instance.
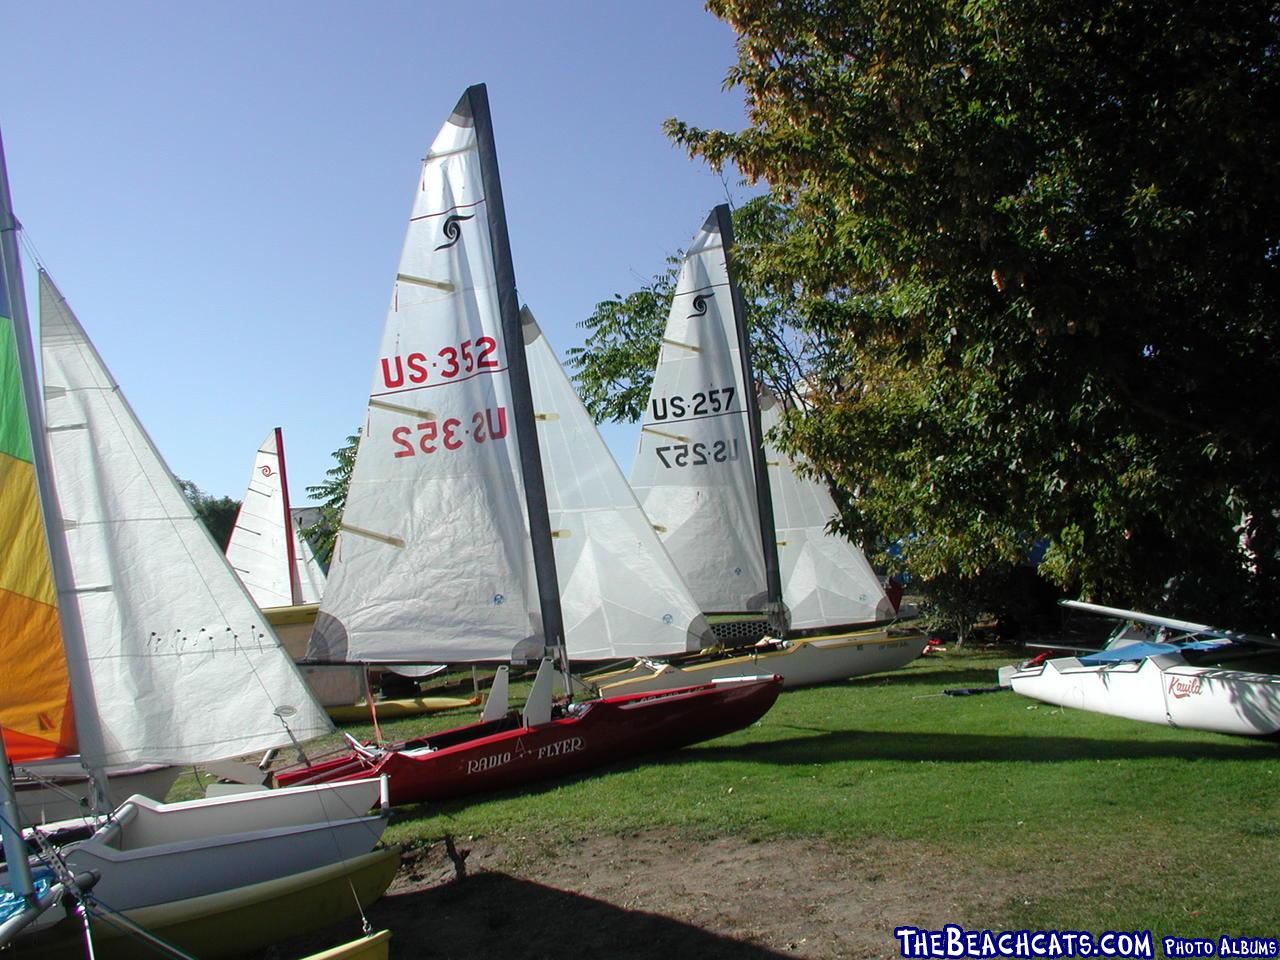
(433, 562)
(620, 593)
(826, 580)
(178, 665)
(311, 577)
(693, 469)
(258, 551)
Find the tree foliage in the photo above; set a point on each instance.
(218, 514)
(1039, 241)
(331, 493)
(1048, 242)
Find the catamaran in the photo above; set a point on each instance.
(1161, 670)
(745, 529)
(129, 640)
(475, 495)
(277, 566)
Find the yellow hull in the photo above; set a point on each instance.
(235, 921)
(376, 946)
(801, 662)
(396, 709)
(299, 613)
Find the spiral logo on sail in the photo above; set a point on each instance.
(700, 305)
(266, 470)
(451, 229)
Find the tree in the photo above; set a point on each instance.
(218, 514)
(1040, 240)
(332, 496)
(614, 372)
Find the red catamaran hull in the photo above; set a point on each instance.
(504, 753)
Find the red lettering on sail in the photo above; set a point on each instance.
(391, 381)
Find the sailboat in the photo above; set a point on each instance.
(277, 566)
(267, 550)
(457, 531)
(1161, 670)
(743, 527)
(129, 640)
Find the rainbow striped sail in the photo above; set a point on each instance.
(35, 692)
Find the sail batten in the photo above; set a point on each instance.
(173, 662)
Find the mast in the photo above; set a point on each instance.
(27, 369)
(775, 608)
(295, 587)
(475, 103)
(15, 849)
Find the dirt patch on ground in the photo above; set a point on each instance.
(658, 895)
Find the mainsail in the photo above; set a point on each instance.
(433, 561)
(35, 690)
(172, 663)
(266, 550)
(700, 478)
(620, 592)
(694, 472)
(826, 580)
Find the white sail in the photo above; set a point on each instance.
(311, 578)
(826, 580)
(620, 592)
(177, 663)
(259, 548)
(433, 561)
(693, 470)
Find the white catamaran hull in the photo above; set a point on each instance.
(800, 663)
(1163, 689)
(55, 790)
(150, 853)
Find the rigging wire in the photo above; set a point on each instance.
(24, 240)
(88, 904)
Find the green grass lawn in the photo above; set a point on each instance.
(1116, 824)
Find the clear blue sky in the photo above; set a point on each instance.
(221, 189)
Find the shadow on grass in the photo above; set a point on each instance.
(501, 916)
